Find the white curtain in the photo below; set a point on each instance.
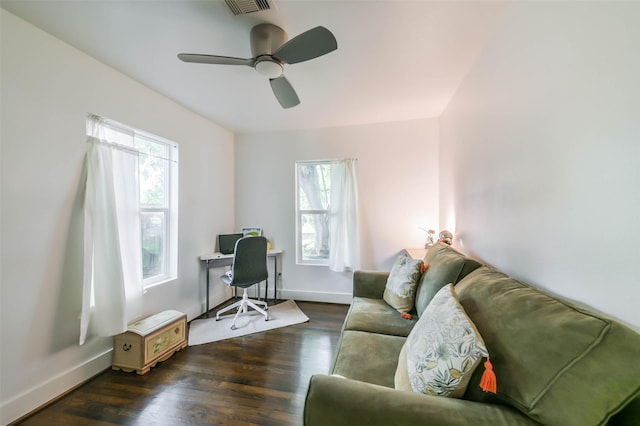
(344, 247)
(112, 287)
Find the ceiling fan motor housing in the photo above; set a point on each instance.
(266, 39)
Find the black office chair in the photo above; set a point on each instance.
(249, 268)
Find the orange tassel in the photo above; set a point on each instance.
(488, 381)
(423, 268)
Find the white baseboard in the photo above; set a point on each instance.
(33, 398)
(315, 296)
(194, 311)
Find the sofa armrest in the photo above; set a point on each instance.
(336, 401)
(369, 284)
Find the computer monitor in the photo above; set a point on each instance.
(227, 242)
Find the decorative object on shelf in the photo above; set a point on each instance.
(445, 237)
(430, 237)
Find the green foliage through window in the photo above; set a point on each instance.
(157, 185)
(313, 206)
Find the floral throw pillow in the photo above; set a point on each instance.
(400, 291)
(442, 350)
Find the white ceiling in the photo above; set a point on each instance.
(396, 60)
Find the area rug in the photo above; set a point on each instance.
(209, 330)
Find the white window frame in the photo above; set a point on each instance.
(300, 259)
(170, 209)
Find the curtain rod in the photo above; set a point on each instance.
(128, 130)
(324, 161)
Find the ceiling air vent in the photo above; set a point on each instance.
(240, 7)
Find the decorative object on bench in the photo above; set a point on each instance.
(149, 341)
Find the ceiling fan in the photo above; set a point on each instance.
(271, 51)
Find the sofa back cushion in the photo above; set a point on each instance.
(444, 265)
(558, 363)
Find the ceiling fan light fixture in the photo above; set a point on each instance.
(269, 68)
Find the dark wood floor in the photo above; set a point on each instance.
(258, 379)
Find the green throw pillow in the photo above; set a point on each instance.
(401, 285)
(442, 350)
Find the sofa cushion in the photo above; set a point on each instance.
(376, 316)
(368, 357)
(442, 350)
(334, 401)
(401, 284)
(558, 363)
(445, 265)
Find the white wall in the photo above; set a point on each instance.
(398, 184)
(47, 88)
(540, 152)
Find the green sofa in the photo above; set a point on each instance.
(556, 363)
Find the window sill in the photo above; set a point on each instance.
(158, 282)
(311, 263)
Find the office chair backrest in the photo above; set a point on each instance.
(250, 261)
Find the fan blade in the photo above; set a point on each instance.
(316, 42)
(284, 92)
(213, 59)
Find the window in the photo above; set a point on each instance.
(327, 214)
(313, 192)
(156, 191)
(157, 195)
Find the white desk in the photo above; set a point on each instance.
(217, 259)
